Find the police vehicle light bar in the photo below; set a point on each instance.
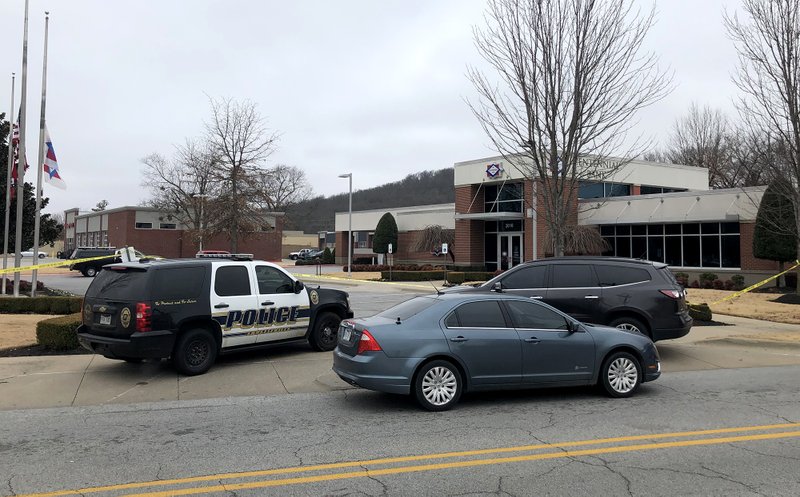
(235, 257)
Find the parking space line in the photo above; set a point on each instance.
(443, 455)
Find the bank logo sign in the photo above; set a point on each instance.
(494, 170)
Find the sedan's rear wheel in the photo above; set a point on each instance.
(438, 386)
(621, 375)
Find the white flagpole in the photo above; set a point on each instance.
(37, 222)
(8, 180)
(23, 160)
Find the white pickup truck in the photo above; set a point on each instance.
(300, 253)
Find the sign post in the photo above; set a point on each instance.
(391, 259)
(444, 253)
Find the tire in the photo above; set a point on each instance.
(631, 324)
(621, 375)
(293, 257)
(324, 336)
(90, 271)
(195, 352)
(438, 385)
(41, 255)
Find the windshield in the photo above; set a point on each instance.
(408, 308)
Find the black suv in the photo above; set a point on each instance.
(626, 293)
(91, 268)
(194, 309)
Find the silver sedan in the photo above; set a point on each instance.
(437, 347)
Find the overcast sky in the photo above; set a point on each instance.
(375, 88)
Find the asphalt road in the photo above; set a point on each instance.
(558, 442)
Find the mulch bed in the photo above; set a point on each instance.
(709, 323)
(35, 350)
(788, 298)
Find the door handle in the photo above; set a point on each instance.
(459, 339)
(268, 302)
(532, 340)
(221, 306)
(537, 297)
(592, 297)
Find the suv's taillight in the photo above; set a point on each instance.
(673, 294)
(144, 313)
(367, 343)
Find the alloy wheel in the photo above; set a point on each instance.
(623, 375)
(439, 386)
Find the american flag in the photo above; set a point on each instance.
(15, 162)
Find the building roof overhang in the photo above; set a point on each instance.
(490, 216)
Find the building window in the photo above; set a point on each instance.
(649, 190)
(503, 198)
(594, 189)
(360, 239)
(168, 226)
(144, 226)
(105, 239)
(706, 245)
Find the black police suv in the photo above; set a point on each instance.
(194, 309)
(631, 294)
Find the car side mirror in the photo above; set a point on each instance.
(298, 286)
(498, 286)
(571, 327)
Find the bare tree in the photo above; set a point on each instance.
(701, 139)
(768, 42)
(241, 143)
(283, 186)
(185, 186)
(573, 78)
(657, 155)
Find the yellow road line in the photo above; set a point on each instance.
(464, 464)
(401, 459)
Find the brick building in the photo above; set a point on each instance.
(155, 232)
(646, 210)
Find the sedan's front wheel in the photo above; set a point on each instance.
(438, 386)
(621, 374)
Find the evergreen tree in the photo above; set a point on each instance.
(50, 229)
(385, 233)
(775, 234)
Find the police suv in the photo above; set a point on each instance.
(194, 309)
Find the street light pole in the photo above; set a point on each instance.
(202, 197)
(349, 176)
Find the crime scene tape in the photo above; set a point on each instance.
(760, 283)
(67, 262)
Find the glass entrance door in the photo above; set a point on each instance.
(509, 251)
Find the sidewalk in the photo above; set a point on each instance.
(75, 380)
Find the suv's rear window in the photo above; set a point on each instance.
(405, 310)
(620, 275)
(113, 284)
(178, 283)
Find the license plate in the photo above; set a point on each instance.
(105, 319)
(346, 334)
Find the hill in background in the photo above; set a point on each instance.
(427, 187)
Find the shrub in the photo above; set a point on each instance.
(24, 286)
(695, 284)
(682, 279)
(738, 281)
(327, 256)
(707, 280)
(729, 285)
(59, 333)
(718, 284)
(455, 277)
(413, 275)
(478, 276)
(700, 312)
(40, 305)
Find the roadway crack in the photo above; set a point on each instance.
(226, 489)
(753, 451)
(74, 397)
(498, 491)
(10, 487)
(279, 377)
(297, 451)
(607, 465)
(726, 477)
(384, 488)
(715, 475)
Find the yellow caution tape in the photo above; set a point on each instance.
(67, 262)
(760, 283)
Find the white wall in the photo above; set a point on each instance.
(407, 218)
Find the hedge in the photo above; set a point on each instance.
(40, 305)
(700, 312)
(59, 333)
(413, 275)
